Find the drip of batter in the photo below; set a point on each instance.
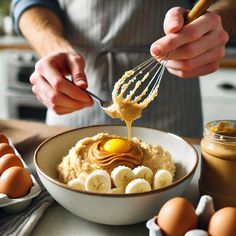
(126, 108)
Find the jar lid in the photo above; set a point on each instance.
(221, 130)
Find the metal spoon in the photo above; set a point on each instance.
(103, 104)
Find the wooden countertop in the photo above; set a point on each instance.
(27, 135)
(13, 42)
(22, 131)
(228, 63)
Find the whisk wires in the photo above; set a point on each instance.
(152, 69)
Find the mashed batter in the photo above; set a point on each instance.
(88, 155)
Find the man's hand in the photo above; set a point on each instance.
(58, 60)
(196, 48)
(51, 87)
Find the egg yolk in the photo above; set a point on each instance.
(117, 145)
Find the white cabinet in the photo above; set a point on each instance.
(218, 91)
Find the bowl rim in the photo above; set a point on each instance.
(60, 184)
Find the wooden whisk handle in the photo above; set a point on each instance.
(199, 9)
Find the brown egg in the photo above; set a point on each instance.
(5, 149)
(223, 222)
(3, 138)
(15, 182)
(176, 217)
(9, 160)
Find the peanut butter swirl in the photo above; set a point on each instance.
(108, 161)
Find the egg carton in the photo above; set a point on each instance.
(15, 205)
(205, 209)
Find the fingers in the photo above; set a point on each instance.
(202, 70)
(196, 48)
(174, 20)
(76, 65)
(200, 65)
(56, 92)
(215, 54)
(53, 99)
(189, 33)
(214, 39)
(53, 70)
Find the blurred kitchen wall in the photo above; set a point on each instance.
(17, 61)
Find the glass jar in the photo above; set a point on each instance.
(218, 162)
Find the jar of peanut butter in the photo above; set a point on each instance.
(218, 162)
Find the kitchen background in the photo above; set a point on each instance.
(17, 62)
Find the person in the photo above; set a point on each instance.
(93, 42)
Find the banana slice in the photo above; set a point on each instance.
(117, 191)
(138, 186)
(77, 184)
(83, 176)
(143, 172)
(121, 176)
(98, 181)
(162, 178)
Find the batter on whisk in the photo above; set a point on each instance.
(129, 108)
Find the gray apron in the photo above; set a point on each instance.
(115, 36)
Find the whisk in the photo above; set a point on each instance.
(135, 84)
(145, 78)
(136, 80)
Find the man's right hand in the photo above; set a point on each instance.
(52, 88)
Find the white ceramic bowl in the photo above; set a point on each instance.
(114, 209)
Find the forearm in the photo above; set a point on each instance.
(227, 10)
(44, 31)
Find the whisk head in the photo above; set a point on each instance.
(141, 83)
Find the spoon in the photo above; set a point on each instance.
(103, 104)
